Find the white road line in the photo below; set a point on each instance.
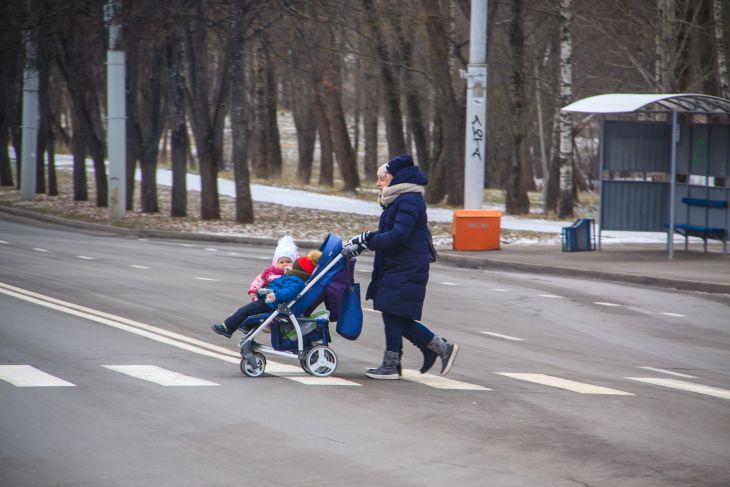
(664, 371)
(84, 257)
(296, 374)
(139, 266)
(675, 315)
(602, 303)
(685, 386)
(187, 245)
(233, 253)
(38, 249)
(210, 249)
(570, 385)
(158, 375)
(499, 335)
(499, 290)
(438, 382)
(148, 331)
(549, 296)
(205, 279)
(29, 376)
(3, 242)
(446, 283)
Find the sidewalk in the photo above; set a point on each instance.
(646, 264)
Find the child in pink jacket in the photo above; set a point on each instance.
(284, 256)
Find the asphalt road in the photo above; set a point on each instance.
(544, 391)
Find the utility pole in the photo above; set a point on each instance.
(29, 129)
(116, 116)
(476, 108)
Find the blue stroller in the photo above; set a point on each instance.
(295, 332)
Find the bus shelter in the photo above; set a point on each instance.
(664, 164)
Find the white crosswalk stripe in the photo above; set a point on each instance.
(158, 375)
(569, 385)
(438, 382)
(29, 376)
(685, 386)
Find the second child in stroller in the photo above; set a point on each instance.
(281, 290)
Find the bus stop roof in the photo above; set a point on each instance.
(654, 103)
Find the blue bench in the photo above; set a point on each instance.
(703, 232)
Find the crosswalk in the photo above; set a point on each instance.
(28, 376)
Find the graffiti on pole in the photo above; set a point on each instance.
(477, 134)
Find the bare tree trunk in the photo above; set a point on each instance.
(723, 80)
(272, 125)
(237, 109)
(306, 126)
(9, 94)
(416, 118)
(335, 114)
(326, 161)
(81, 191)
(393, 115)
(452, 112)
(179, 139)
(517, 202)
(567, 195)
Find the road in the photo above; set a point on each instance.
(110, 375)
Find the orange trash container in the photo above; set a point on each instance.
(476, 229)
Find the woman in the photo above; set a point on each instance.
(400, 270)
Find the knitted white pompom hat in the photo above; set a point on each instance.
(285, 248)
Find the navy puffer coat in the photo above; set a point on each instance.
(400, 271)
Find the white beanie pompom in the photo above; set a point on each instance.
(285, 248)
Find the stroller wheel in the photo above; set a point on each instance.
(254, 367)
(320, 361)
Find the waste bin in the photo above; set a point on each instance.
(476, 229)
(579, 236)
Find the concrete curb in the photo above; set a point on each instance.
(147, 233)
(493, 264)
(445, 257)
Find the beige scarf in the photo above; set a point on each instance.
(390, 193)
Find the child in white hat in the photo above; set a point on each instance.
(284, 256)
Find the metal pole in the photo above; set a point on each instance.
(601, 186)
(116, 118)
(672, 186)
(476, 108)
(29, 128)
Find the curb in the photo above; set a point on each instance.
(444, 257)
(486, 263)
(147, 233)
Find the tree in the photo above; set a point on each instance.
(565, 205)
(447, 173)
(517, 201)
(392, 99)
(723, 80)
(179, 139)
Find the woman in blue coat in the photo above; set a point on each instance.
(400, 270)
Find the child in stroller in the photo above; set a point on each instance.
(280, 290)
(295, 331)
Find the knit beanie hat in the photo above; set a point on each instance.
(382, 169)
(285, 248)
(401, 162)
(304, 266)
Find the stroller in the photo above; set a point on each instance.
(295, 331)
